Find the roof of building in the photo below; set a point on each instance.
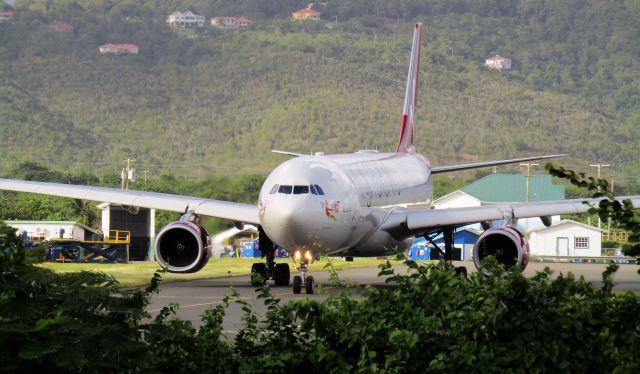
(306, 11)
(29, 222)
(566, 222)
(61, 26)
(120, 46)
(512, 188)
(497, 58)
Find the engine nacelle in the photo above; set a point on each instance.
(507, 245)
(183, 247)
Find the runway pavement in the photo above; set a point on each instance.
(197, 295)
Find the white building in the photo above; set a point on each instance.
(6, 15)
(38, 231)
(566, 238)
(498, 62)
(186, 19)
(230, 22)
(119, 49)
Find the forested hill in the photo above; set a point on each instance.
(221, 99)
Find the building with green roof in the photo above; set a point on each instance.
(512, 188)
(505, 188)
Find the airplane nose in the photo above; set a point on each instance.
(288, 222)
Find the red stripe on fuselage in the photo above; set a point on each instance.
(402, 132)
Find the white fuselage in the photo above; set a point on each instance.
(337, 203)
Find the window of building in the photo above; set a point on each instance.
(581, 242)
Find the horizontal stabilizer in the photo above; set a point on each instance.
(446, 169)
(294, 154)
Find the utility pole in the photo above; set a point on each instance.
(609, 218)
(145, 172)
(599, 166)
(128, 174)
(528, 179)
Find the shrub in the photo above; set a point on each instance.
(428, 319)
(610, 244)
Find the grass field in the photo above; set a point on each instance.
(139, 273)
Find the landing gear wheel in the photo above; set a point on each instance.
(308, 285)
(281, 275)
(461, 270)
(297, 284)
(258, 269)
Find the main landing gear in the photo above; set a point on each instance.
(447, 235)
(303, 258)
(270, 270)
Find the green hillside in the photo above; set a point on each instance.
(207, 101)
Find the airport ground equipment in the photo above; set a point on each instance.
(114, 248)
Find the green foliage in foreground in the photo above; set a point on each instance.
(427, 320)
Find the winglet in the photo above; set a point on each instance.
(405, 144)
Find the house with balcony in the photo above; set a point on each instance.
(185, 19)
(306, 14)
(230, 22)
(498, 62)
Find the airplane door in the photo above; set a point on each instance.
(562, 247)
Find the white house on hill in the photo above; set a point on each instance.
(498, 62)
(186, 19)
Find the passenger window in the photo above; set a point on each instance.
(285, 189)
(298, 190)
(313, 190)
(274, 189)
(320, 192)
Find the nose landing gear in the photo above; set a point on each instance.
(304, 258)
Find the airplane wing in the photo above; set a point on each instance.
(445, 169)
(238, 212)
(433, 219)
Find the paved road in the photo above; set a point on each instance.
(196, 296)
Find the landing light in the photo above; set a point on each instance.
(307, 255)
(298, 255)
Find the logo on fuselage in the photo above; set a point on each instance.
(331, 209)
(262, 207)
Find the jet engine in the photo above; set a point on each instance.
(506, 244)
(183, 247)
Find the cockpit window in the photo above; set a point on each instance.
(313, 190)
(274, 189)
(319, 189)
(285, 189)
(298, 190)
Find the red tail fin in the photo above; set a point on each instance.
(405, 144)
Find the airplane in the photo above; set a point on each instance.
(335, 204)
